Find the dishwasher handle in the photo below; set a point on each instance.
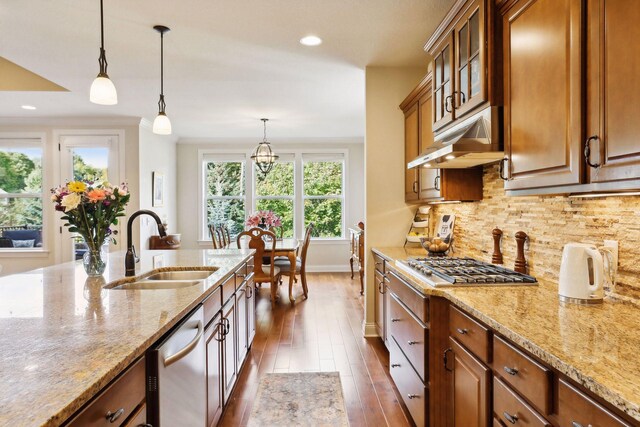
(187, 349)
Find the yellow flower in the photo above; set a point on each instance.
(77, 186)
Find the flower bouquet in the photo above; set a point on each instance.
(264, 219)
(89, 210)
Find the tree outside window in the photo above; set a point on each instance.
(225, 194)
(275, 192)
(324, 197)
(20, 192)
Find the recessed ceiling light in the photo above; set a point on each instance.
(28, 107)
(311, 41)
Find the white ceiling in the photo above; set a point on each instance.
(227, 62)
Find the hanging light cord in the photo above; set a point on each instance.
(264, 138)
(161, 103)
(102, 60)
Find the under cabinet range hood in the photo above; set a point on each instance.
(472, 142)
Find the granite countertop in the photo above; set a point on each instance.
(597, 346)
(63, 337)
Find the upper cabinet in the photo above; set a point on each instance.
(464, 62)
(424, 183)
(571, 96)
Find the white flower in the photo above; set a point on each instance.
(71, 201)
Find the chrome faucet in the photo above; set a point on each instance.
(131, 258)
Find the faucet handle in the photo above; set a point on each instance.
(135, 255)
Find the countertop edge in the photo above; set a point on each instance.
(632, 409)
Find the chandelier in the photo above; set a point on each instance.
(263, 155)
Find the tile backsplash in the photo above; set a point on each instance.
(550, 222)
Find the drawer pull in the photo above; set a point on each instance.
(511, 371)
(395, 365)
(462, 331)
(511, 418)
(113, 416)
(446, 362)
(241, 275)
(413, 396)
(395, 320)
(412, 342)
(577, 424)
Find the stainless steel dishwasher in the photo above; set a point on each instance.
(176, 376)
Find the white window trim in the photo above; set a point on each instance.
(250, 197)
(47, 208)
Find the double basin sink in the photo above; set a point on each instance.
(167, 280)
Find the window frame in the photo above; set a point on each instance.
(285, 157)
(297, 154)
(31, 140)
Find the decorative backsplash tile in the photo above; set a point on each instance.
(550, 222)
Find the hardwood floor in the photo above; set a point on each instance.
(323, 333)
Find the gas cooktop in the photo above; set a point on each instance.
(440, 272)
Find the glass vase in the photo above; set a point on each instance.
(94, 261)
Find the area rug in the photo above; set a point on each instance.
(299, 399)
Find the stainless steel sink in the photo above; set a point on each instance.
(180, 275)
(158, 284)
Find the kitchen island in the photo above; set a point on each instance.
(596, 347)
(64, 337)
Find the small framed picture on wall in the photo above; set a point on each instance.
(158, 189)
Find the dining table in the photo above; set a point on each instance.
(287, 247)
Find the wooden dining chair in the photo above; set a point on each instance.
(278, 231)
(221, 239)
(301, 264)
(264, 242)
(227, 235)
(214, 236)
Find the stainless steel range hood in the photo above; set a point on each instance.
(471, 142)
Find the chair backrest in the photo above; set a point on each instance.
(227, 235)
(264, 242)
(214, 236)
(221, 241)
(305, 245)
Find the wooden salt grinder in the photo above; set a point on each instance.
(496, 258)
(521, 262)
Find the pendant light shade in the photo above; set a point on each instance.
(263, 156)
(103, 91)
(162, 124)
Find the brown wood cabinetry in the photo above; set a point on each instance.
(465, 62)
(471, 385)
(120, 400)
(409, 384)
(410, 335)
(570, 95)
(510, 408)
(470, 333)
(379, 283)
(577, 409)
(411, 147)
(543, 93)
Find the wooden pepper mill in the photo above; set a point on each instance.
(521, 262)
(496, 258)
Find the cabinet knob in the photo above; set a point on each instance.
(113, 416)
(511, 418)
(510, 371)
(395, 365)
(412, 396)
(462, 331)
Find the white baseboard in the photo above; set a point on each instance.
(329, 269)
(369, 330)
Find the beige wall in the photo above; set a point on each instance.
(157, 154)
(550, 222)
(386, 216)
(48, 127)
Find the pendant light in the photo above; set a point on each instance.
(103, 91)
(263, 156)
(162, 124)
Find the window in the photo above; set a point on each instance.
(323, 180)
(21, 193)
(275, 192)
(224, 192)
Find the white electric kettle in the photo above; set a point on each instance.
(581, 274)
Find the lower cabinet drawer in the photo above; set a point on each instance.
(408, 383)
(577, 409)
(212, 305)
(228, 289)
(115, 404)
(470, 333)
(510, 408)
(526, 376)
(139, 417)
(417, 303)
(410, 336)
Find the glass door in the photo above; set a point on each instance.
(470, 78)
(89, 158)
